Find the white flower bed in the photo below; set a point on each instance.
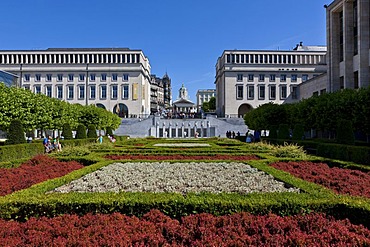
(177, 177)
(182, 145)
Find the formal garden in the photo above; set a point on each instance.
(282, 191)
(198, 192)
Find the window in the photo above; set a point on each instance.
(70, 77)
(261, 77)
(48, 77)
(355, 80)
(92, 91)
(59, 77)
(70, 92)
(81, 91)
(261, 92)
(103, 77)
(322, 91)
(282, 77)
(240, 77)
(103, 91)
(37, 89)
(250, 91)
(283, 92)
(114, 93)
(272, 77)
(304, 77)
(37, 77)
(125, 77)
(114, 77)
(59, 91)
(92, 77)
(294, 78)
(27, 87)
(294, 92)
(125, 93)
(272, 92)
(250, 77)
(239, 91)
(27, 77)
(81, 77)
(48, 91)
(341, 82)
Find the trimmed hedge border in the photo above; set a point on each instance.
(28, 150)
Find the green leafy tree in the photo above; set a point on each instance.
(91, 131)
(298, 132)
(81, 132)
(205, 106)
(283, 132)
(109, 131)
(15, 134)
(212, 104)
(67, 132)
(345, 133)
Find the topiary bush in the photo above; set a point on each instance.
(109, 131)
(283, 132)
(16, 133)
(81, 132)
(298, 132)
(273, 131)
(91, 131)
(67, 132)
(345, 133)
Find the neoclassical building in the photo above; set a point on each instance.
(117, 79)
(246, 79)
(348, 55)
(348, 39)
(204, 95)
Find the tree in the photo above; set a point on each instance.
(205, 106)
(81, 132)
(91, 131)
(67, 132)
(212, 104)
(16, 133)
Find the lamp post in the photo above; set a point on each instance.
(87, 84)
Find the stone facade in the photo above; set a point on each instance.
(204, 95)
(116, 79)
(348, 41)
(248, 79)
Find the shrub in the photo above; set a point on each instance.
(81, 132)
(67, 132)
(16, 133)
(91, 131)
(289, 151)
(298, 132)
(345, 133)
(273, 132)
(109, 131)
(283, 132)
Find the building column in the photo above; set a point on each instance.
(348, 44)
(364, 43)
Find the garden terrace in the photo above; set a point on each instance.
(316, 201)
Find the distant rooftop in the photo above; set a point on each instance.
(301, 47)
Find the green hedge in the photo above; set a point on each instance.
(27, 150)
(357, 154)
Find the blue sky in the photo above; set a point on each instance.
(184, 38)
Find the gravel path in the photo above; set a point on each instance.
(176, 177)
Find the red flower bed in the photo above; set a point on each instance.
(156, 229)
(182, 157)
(36, 170)
(342, 181)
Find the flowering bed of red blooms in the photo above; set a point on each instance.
(342, 181)
(156, 229)
(36, 170)
(182, 157)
